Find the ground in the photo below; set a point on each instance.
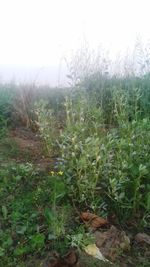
(30, 146)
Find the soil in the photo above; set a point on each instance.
(30, 144)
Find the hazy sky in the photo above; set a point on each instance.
(40, 32)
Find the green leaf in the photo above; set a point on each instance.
(5, 212)
(18, 178)
(8, 242)
(148, 202)
(19, 251)
(51, 237)
(2, 252)
(21, 229)
(37, 241)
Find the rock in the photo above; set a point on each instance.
(112, 242)
(142, 238)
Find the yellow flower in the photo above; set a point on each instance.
(60, 173)
(52, 173)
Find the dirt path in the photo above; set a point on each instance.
(31, 148)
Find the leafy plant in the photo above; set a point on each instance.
(106, 165)
(80, 239)
(46, 124)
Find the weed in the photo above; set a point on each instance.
(107, 166)
(47, 125)
(80, 238)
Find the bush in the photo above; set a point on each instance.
(6, 98)
(107, 166)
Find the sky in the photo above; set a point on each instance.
(35, 35)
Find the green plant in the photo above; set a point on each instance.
(80, 238)
(6, 99)
(106, 165)
(128, 168)
(7, 94)
(56, 215)
(79, 146)
(46, 124)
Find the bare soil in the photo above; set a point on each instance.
(30, 145)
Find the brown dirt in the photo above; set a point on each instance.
(31, 148)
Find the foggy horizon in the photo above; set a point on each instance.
(37, 35)
(45, 75)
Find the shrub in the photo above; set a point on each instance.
(107, 166)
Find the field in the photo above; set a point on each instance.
(74, 165)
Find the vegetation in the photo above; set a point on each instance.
(99, 134)
(107, 165)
